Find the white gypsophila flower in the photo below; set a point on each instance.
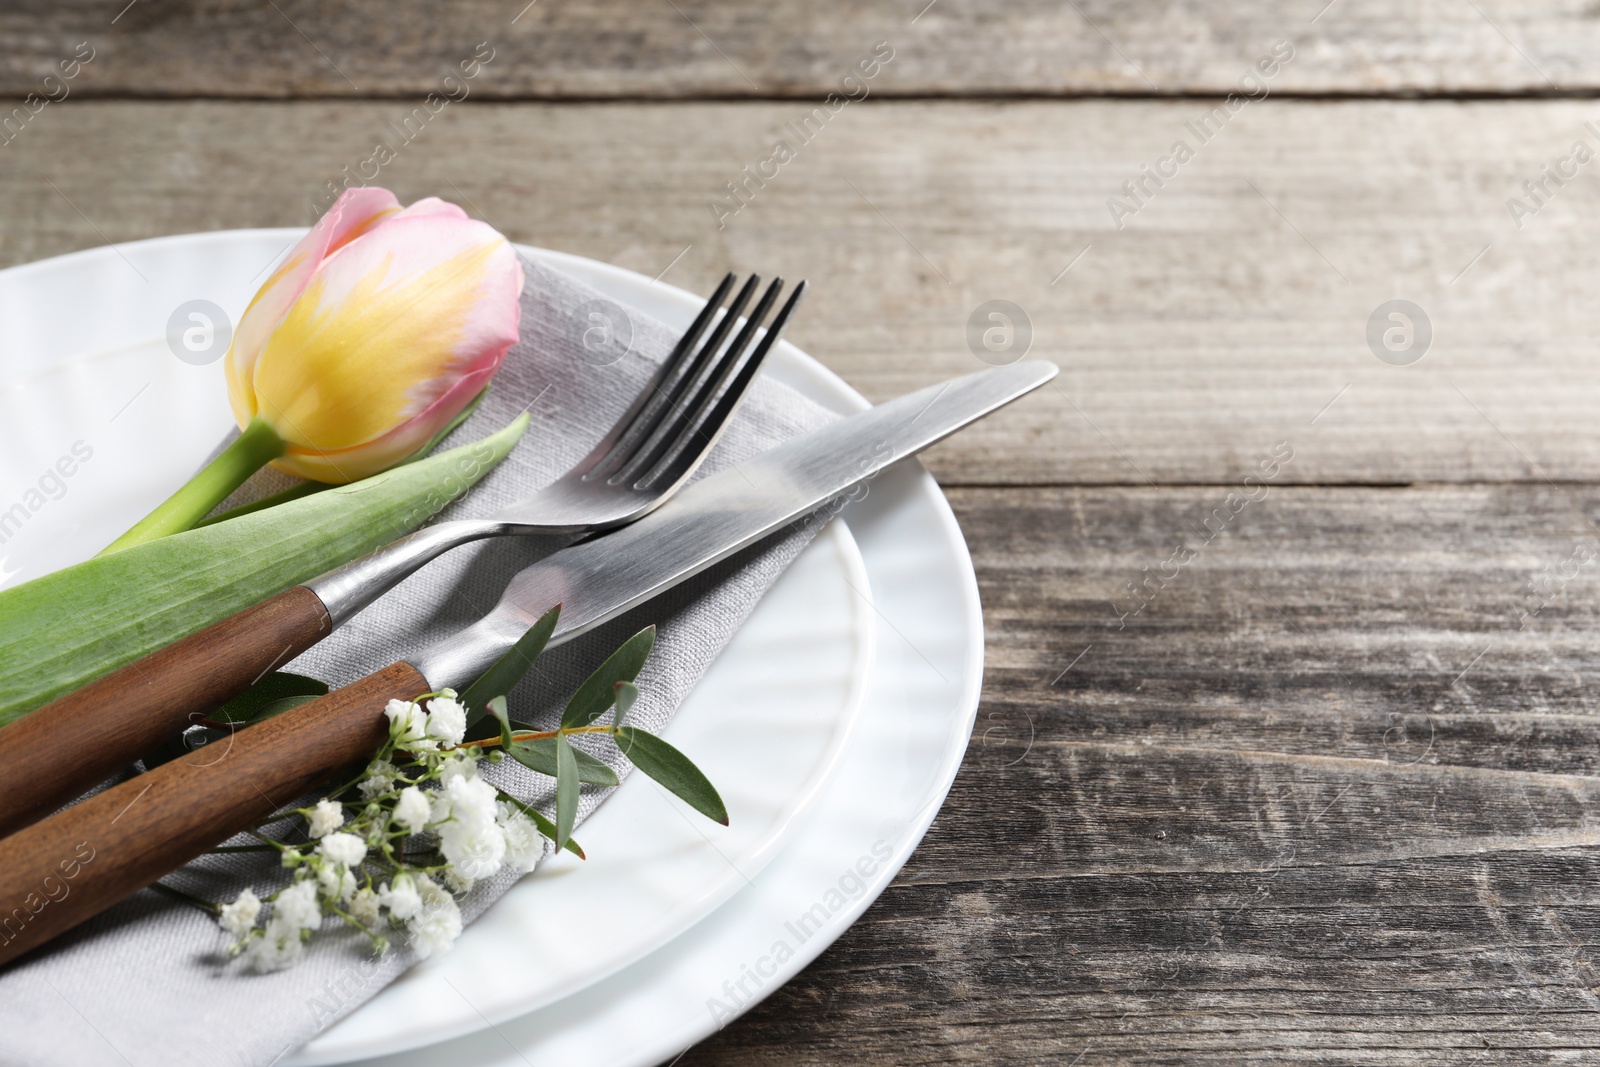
(239, 917)
(325, 818)
(437, 925)
(524, 842)
(336, 882)
(365, 908)
(379, 779)
(401, 897)
(411, 810)
(458, 883)
(464, 818)
(408, 725)
(345, 849)
(278, 948)
(447, 720)
(298, 907)
(457, 765)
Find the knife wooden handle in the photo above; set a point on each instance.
(78, 862)
(62, 750)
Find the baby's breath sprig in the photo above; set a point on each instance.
(390, 850)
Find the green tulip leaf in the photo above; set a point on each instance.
(672, 769)
(67, 628)
(306, 488)
(598, 692)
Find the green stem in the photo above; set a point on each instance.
(536, 735)
(209, 906)
(246, 848)
(295, 492)
(253, 448)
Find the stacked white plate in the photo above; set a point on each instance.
(832, 724)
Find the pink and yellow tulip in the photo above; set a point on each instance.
(378, 329)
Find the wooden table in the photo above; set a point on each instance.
(1290, 763)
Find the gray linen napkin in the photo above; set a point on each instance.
(146, 982)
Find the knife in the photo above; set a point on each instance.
(138, 831)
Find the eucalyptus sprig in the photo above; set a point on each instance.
(390, 850)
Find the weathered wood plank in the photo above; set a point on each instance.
(1460, 960)
(1229, 314)
(1453, 625)
(1273, 819)
(613, 50)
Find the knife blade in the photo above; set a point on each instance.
(143, 828)
(716, 517)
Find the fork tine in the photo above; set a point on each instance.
(663, 437)
(662, 402)
(628, 430)
(714, 408)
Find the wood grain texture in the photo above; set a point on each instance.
(1229, 314)
(131, 834)
(44, 762)
(1328, 799)
(615, 49)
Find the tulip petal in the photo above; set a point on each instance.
(384, 452)
(353, 214)
(396, 326)
(431, 205)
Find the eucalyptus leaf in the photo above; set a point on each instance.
(540, 755)
(566, 790)
(170, 749)
(69, 627)
(509, 669)
(275, 687)
(497, 707)
(626, 694)
(597, 693)
(672, 769)
(278, 707)
(546, 827)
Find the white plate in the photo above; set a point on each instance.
(920, 706)
(143, 418)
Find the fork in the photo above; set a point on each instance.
(655, 446)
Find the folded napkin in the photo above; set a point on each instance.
(147, 983)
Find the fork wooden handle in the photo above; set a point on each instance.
(76, 741)
(78, 862)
